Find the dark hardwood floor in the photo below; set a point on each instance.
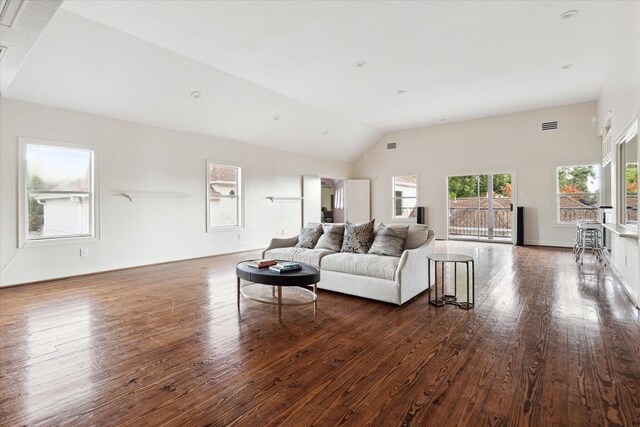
(547, 344)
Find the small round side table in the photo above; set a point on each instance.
(456, 259)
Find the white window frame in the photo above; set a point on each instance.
(23, 195)
(556, 184)
(394, 197)
(238, 197)
(628, 133)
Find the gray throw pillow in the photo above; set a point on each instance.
(331, 237)
(390, 240)
(357, 237)
(309, 237)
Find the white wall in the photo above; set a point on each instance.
(144, 158)
(620, 92)
(511, 143)
(620, 95)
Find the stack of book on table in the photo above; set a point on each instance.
(263, 263)
(284, 267)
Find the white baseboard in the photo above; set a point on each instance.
(551, 243)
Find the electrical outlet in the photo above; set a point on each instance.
(238, 236)
(84, 252)
(283, 231)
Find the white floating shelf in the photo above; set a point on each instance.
(151, 196)
(277, 199)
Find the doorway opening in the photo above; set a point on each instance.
(480, 207)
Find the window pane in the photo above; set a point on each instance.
(58, 215)
(578, 179)
(578, 192)
(405, 193)
(405, 186)
(631, 193)
(223, 180)
(577, 207)
(59, 188)
(224, 195)
(223, 212)
(405, 208)
(58, 169)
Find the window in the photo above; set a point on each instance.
(224, 191)
(405, 196)
(628, 155)
(577, 192)
(57, 191)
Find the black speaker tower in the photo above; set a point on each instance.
(520, 226)
(420, 214)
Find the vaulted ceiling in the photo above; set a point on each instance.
(318, 77)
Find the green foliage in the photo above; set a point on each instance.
(467, 186)
(575, 178)
(632, 173)
(36, 215)
(35, 183)
(36, 210)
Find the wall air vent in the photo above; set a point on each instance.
(391, 146)
(8, 11)
(549, 125)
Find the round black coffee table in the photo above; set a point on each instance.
(292, 280)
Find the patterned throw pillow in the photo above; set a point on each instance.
(390, 240)
(332, 237)
(309, 237)
(357, 237)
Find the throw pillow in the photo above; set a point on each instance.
(309, 237)
(357, 237)
(389, 240)
(331, 237)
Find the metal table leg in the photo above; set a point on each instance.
(238, 292)
(280, 304)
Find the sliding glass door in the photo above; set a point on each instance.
(480, 207)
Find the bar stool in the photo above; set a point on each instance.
(588, 236)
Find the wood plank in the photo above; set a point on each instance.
(549, 343)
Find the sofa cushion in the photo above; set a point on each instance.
(418, 235)
(380, 266)
(331, 237)
(308, 256)
(309, 237)
(389, 240)
(357, 237)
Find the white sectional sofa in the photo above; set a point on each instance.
(384, 278)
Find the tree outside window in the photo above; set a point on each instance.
(578, 192)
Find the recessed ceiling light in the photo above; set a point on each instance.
(361, 64)
(196, 94)
(276, 118)
(569, 14)
(402, 92)
(567, 66)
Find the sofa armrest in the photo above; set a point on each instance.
(281, 243)
(412, 269)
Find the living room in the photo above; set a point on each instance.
(161, 93)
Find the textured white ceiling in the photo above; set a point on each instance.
(32, 18)
(139, 60)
